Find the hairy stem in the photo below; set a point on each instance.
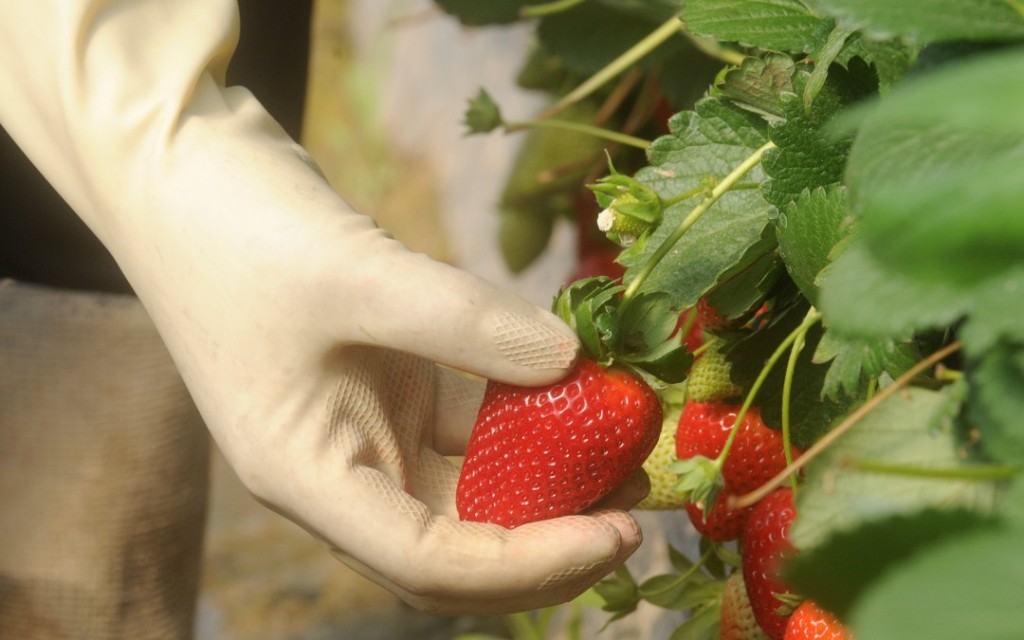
(630, 57)
(813, 316)
(980, 472)
(579, 127)
(787, 394)
(548, 8)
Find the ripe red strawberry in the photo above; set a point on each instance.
(737, 619)
(755, 457)
(765, 546)
(811, 622)
(542, 452)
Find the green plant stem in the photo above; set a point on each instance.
(1017, 5)
(787, 394)
(713, 49)
(979, 472)
(548, 8)
(826, 441)
(716, 193)
(579, 127)
(686, 575)
(813, 316)
(628, 58)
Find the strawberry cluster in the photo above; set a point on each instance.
(715, 449)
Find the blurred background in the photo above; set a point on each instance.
(388, 84)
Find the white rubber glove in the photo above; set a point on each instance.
(307, 336)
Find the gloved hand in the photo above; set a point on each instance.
(307, 336)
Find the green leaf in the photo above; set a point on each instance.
(619, 591)
(742, 288)
(966, 587)
(860, 298)
(705, 144)
(932, 175)
(808, 230)
(914, 429)
(996, 383)
(854, 361)
(669, 592)
(891, 58)
(838, 571)
(649, 320)
(668, 362)
(933, 172)
(758, 84)
(807, 157)
(780, 25)
(928, 20)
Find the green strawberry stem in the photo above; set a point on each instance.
(787, 391)
(682, 578)
(720, 189)
(981, 472)
(813, 316)
(631, 56)
(579, 127)
(826, 441)
(1017, 5)
(548, 8)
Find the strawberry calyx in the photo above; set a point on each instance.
(700, 480)
(637, 333)
(631, 210)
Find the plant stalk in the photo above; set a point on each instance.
(548, 8)
(630, 57)
(579, 127)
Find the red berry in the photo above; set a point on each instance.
(755, 458)
(811, 622)
(543, 452)
(764, 548)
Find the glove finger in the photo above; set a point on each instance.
(431, 309)
(454, 568)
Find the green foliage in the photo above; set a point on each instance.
(848, 487)
(931, 20)
(889, 198)
(778, 25)
(807, 230)
(704, 146)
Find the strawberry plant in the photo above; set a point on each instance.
(842, 183)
